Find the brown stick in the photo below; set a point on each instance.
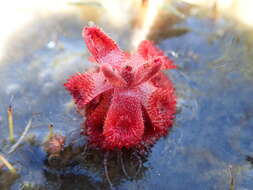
(8, 165)
(11, 125)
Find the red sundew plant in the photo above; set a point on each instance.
(128, 101)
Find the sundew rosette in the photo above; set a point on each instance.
(128, 101)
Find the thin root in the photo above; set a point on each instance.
(139, 165)
(106, 169)
(231, 176)
(84, 153)
(123, 165)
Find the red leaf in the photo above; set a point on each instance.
(146, 72)
(85, 87)
(113, 76)
(124, 123)
(95, 120)
(161, 109)
(150, 52)
(161, 81)
(102, 47)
